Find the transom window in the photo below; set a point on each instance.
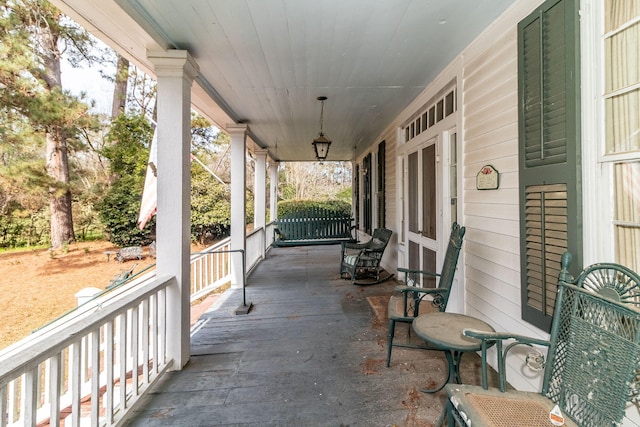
(441, 106)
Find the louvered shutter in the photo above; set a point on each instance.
(550, 220)
(381, 187)
(367, 205)
(546, 223)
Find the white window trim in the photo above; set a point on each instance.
(599, 242)
(597, 167)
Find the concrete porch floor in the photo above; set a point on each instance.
(310, 353)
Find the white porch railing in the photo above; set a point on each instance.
(111, 350)
(106, 352)
(257, 243)
(210, 269)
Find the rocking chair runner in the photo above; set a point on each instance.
(362, 260)
(592, 367)
(404, 305)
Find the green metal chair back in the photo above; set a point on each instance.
(404, 305)
(595, 343)
(445, 278)
(613, 281)
(449, 265)
(592, 369)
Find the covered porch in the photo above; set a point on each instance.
(423, 98)
(310, 352)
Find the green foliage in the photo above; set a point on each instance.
(119, 213)
(19, 228)
(33, 36)
(345, 195)
(286, 207)
(129, 140)
(203, 134)
(211, 199)
(287, 191)
(210, 206)
(128, 154)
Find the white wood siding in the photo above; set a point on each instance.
(490, 137)
(488, 125)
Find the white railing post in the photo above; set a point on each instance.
(75, 382)
(95, 376)
(109, 363)
(55, 387)
(4, 407)
(30, 396)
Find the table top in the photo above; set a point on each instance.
(444, 330)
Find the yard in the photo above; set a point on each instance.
(40, 285)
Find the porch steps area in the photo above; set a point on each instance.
(310, 353)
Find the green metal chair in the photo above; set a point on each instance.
(591, 371)
(362, 260)
(404, 305)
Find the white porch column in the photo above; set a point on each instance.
(273, 198)
(260, 190)
(175, 71)
(238, 134)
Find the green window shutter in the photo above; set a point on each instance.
(549, 168)
(366, 202)
(546, 222)
(381, 187)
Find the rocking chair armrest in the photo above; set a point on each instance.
(414, 271)
(351, 245)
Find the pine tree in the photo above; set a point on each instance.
(33, 36)
(119, 101)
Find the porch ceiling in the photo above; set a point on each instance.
(266, 61)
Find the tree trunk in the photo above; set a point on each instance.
(59, 193)
(120, 91)
(57, 160)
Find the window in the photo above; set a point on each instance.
(622, 123)
(548, 121)
(449, 107)
(436, 110)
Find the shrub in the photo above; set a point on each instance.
(286, 207)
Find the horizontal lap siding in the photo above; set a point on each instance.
(492, 249)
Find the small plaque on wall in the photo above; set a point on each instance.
(487, 178)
